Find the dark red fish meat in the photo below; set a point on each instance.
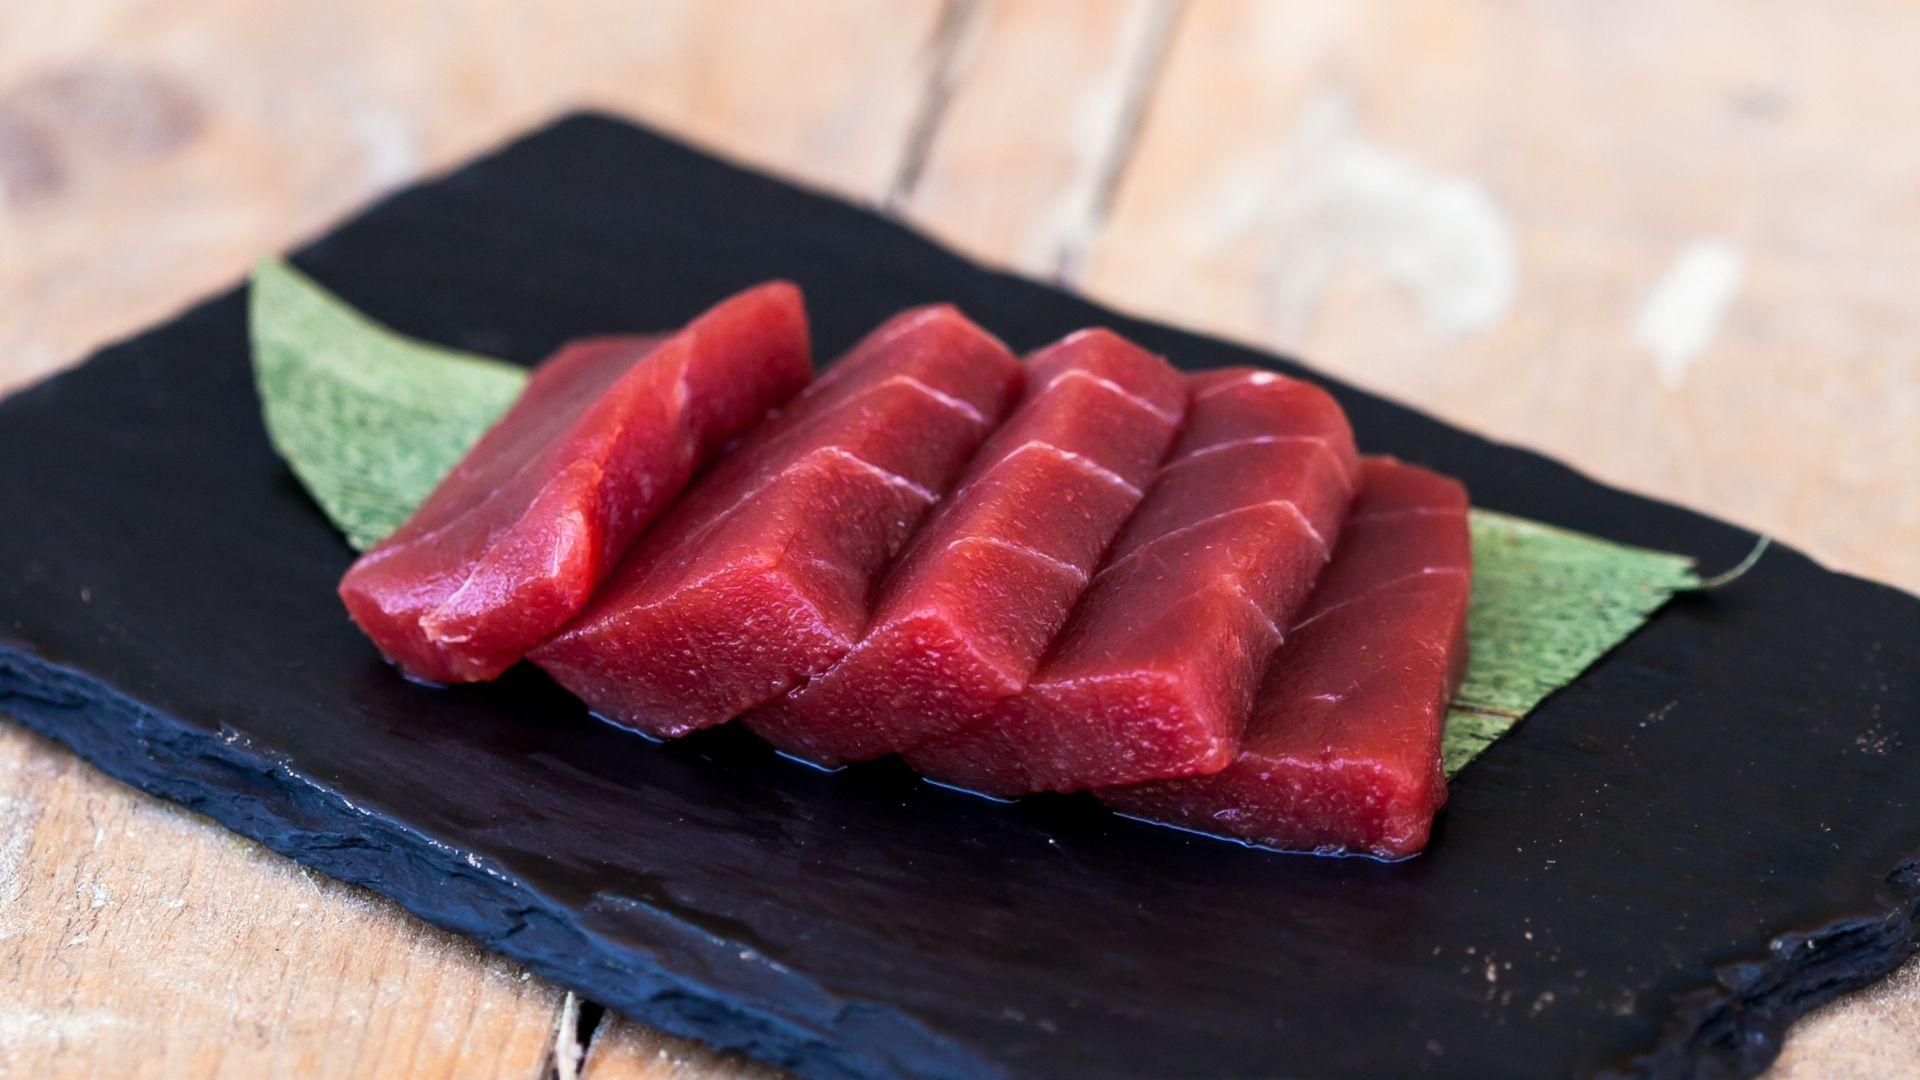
(761, 577)
(511, 543)
(1155, 672)
(982, 589)
(1342, 753)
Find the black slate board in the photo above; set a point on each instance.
(1714, 830)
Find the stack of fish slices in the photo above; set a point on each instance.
(1082, 571)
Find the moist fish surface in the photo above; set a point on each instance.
(964, 617)
(1342, 753)
(1155, 671)
(607, 432)
(761, 577)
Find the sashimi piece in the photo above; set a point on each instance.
(1406, 522)
(1154, 673)
(965, 616)
(607, 432)
(1342, 753)
(761, 577)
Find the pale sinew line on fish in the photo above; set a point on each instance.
(835, 569)
(1288, 505)
(1265, 619)
(807, 461)
(807, 424)
(1169, 417)
(682, 387)
(891, 478)
(625, 614)
(1037, 555)
(874, 343)
(1251, 378)
(940, 396)
(1346, 480)
(1378, 587)
(1080, 461)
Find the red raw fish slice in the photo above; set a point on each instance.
(966, 615)
(760, 578)
(1256, 432)
(1297, 475)
(1241, 404)
(1064, 728)
(1420, 510)
(512, 542)
(1155, 672)
(1342, 753)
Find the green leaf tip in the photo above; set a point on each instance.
(1547, 603)
(369, 420)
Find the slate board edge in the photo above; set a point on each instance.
(1729, 1025)
(301, 818)
(1738, 1023)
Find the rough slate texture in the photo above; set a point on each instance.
(1712, 831)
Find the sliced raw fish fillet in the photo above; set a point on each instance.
(761, 577)
(1154, 673)
(512, 542)
(1342, 753)
(964, 617)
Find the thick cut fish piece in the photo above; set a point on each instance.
(964, 617)
(1154, 674)
(512, 542)
(760, 578)
(1342, 753)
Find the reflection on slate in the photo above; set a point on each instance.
(1697, 841)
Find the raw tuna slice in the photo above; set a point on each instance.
(607, 432)
(760, 578)
(1342, 753)
(1154, 674)
(964, 617)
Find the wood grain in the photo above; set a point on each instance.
(623, 1050)
(1870, 1034)
(139, 940)
(1041, 105)
(150, 149)
(1673, 246)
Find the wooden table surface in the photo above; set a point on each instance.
(1677, 245)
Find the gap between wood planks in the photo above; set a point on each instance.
(951, 47)
(573, 1030)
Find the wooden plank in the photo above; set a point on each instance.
(139, 940)
(149, 149)
(1875, 1033)
(623, 1050)
(1042, 98)
(1671, 246)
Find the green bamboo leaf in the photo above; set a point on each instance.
(370, 421)
(367, 419)
(1546, 604)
